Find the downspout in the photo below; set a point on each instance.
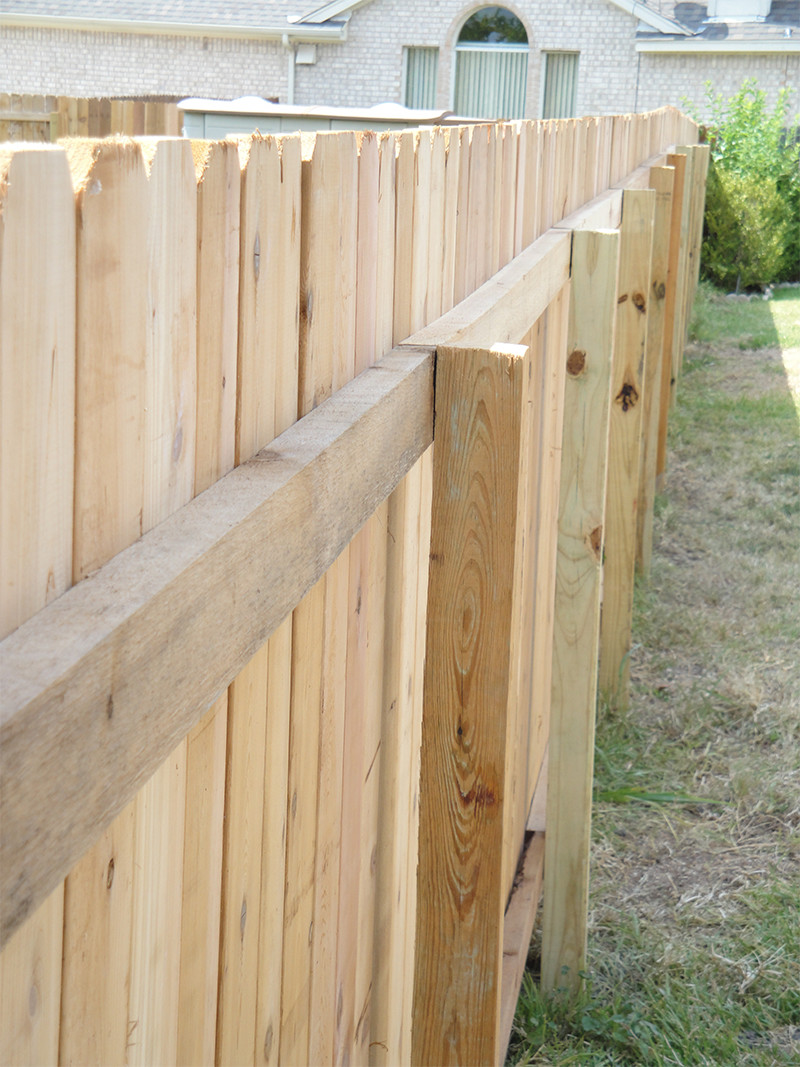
(636, 94)
(290, 50)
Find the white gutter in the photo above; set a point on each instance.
(309, 33)
(698, 46)
(651, 18)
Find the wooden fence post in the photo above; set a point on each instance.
(476, 477)
(682, 298)
(662, 180)
(671, 304)
(627, 390)
(699, 155)
(590, 344)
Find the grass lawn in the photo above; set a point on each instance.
(694, 943)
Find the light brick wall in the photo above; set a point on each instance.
(73, 63)
(368, 68)
(371, 63)
(671, 78)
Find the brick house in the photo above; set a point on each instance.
(531, 58)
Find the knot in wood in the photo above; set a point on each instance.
(596, 541)
(628, 396)
(576, 363)
(257, 256)
(639, 302)
(660, 289)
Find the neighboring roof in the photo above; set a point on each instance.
(672, 25)
(210, 12)
(251, 18)
(778, 32)
(332, 10)
(647, 14)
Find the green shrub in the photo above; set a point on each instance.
(746, 231)
(752, 225)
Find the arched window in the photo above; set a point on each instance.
(491, 66)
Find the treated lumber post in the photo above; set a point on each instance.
(671, 302)
(624, 448)
(581, 522)
(37, 404)
(662, 180)
(460, 901)
(554, 330)
(700, 155)
(682, 304)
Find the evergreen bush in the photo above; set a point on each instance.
(752, 224)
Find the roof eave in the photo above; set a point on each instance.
(652, 18)
(305, 32)
(331, 10)
(699, 46)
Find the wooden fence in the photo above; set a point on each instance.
(47, 118)
(273, 769)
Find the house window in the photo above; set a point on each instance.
(491, 66)
(421, 68)
(560, 95)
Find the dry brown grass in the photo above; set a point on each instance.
(695, 909)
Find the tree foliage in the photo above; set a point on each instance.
(752, 224)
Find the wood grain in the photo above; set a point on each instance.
(662, 180)
(503, 308)
(460, 903)
(588, 357)
(37, 403)
(89, 649)
(671, 309)
(218, 205)
(170, 400)
(624, 447)
(113, 206)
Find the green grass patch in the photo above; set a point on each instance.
(694, 942)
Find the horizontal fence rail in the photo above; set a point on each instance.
(279, 772)
(121, 638)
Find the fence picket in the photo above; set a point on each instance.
(281, 294)
(37, 369)
(113, 197)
